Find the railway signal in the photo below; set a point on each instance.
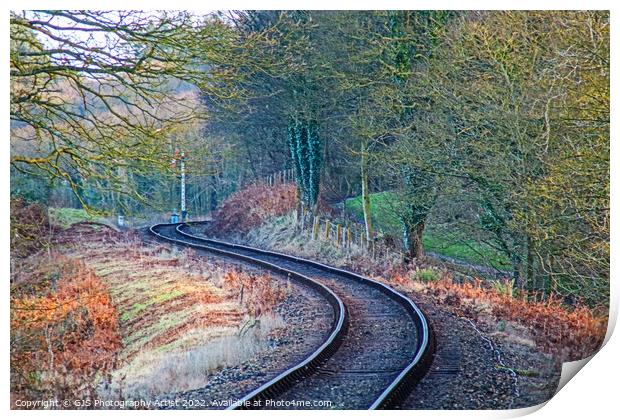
(183, 208)
(181, 156)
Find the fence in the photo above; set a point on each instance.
(346, 235)
(280, 177)
(350, 235)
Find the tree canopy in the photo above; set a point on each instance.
(487, 126)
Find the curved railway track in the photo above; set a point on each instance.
(379, 346)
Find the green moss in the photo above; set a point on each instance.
(135, 310)
(167, 296)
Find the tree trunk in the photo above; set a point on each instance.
(415, 249)
(530, 266)
(366, 193)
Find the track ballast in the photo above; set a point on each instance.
(379, 347)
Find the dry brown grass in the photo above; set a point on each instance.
(180, 316)
(282, 233)
(64, 330)
(569, 333)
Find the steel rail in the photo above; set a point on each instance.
(289, 377)
(408, 377)
(404, 383)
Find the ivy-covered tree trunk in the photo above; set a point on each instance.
(307, 154)
(292, 145)
(301, 139)
(315, 163)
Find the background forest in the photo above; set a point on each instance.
(485, 132)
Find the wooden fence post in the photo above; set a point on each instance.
(315, 228)
(338, 233)
(348, 237)
(327, 229)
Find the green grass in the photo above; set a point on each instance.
(384, 208)
(139, 307)
(65, 217)
(427, 275)
(470, 251)
(135, 310)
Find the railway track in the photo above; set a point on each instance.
(379, 346)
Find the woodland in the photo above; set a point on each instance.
(487, 131)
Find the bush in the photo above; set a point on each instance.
(30, 228)
(568, 333)
(503, 287)
(64, 331)
(249, 208)
(426, 275)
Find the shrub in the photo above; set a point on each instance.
(503, 287)
(64, 332)
(569, 333)
(179, 313)
(30, 229)
(426, 275)
(249, 208)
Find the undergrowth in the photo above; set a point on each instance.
(30, 228)
(250, 207)
(64, 330)
(283, 234)
(65, 216)
(137, 321)
(180, 314)
(567, 332)
(426, 275)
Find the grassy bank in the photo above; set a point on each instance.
(384, 207)
(567, 333)
(64, 216)
(176, 317)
